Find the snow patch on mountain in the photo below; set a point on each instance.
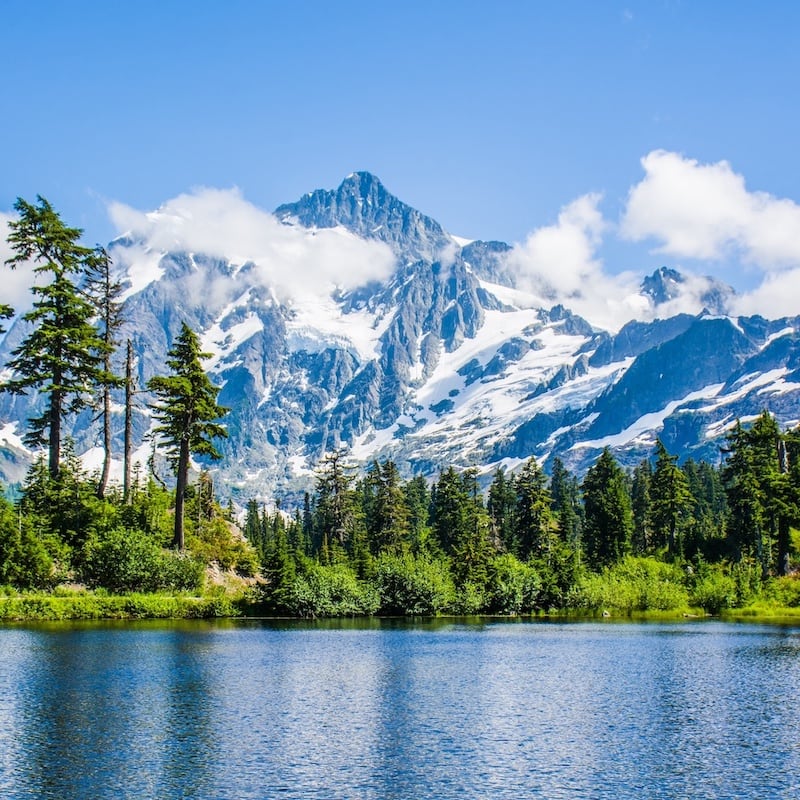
(645, 429)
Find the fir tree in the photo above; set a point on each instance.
(670, 501)
(500, 505)
(61, 356)
(187, 413)
(609, 521)
(532, 517)
(566, 503)
(104, 291)
(642, 540)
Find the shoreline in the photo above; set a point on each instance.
(85, 606)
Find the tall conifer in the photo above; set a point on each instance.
(187, 413)
(61, 356)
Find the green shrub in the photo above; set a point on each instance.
(411, 585)
(713, 588)
(633, 584)
(783, 592)
(216, 541)
(124, 560)
(513, 586)
(331, 591)
(24, 560)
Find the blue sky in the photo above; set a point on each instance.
(494, 118)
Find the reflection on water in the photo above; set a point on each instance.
(385, 709)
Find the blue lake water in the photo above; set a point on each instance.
(386, 709)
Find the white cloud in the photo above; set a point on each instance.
(557, 260)
(293, 260)
(777, 296)
(559, 264)
(16, 282)
(705, 211)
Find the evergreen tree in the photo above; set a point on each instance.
(61, 356)
(609, 520)
(471, 547)
(418, 500)
(187, 413)
(127, 447)
(566, 503)
(670, 501)
(389, 525)
(104, 292)
(532, 517)
(501, 506)
(449, 510)
(707, 516)
(763, 499)
(337, 504)
(6, 312)
(642, 540)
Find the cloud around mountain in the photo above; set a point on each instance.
(705, 211)
(221, 223)
(690, 210)
(702, 212)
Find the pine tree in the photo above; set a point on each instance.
(337, 505)
(566, 503)
(532, 517)
(61, 356)
(642, 539)
(389, 525)
(609, 521)
(105, 292)
(670, 501)
(418, 500)
(762, 496)
(500, 505)
(127, 447)
(187, 413)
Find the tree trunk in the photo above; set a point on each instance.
(180, 492)
(103, 482)
(54, 443)
(128, 444)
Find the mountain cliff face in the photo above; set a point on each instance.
(442, 362)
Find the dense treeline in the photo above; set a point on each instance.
(663, 537)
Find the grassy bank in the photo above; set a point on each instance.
(88, 605)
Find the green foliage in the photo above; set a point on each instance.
(6, 312)
(84, 605)
(712, 588)
(513, 586)
(609, 519)
(783, 592)
(215, 540)
(61, 355)
(24, 560)
(130, 561)
(411, 585)
(331, 591)
(670, 502)
(633, 584)
(186, 411)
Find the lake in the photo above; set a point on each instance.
(390, 709)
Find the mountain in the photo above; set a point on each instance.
(441, 359)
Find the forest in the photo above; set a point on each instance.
(691, 538)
